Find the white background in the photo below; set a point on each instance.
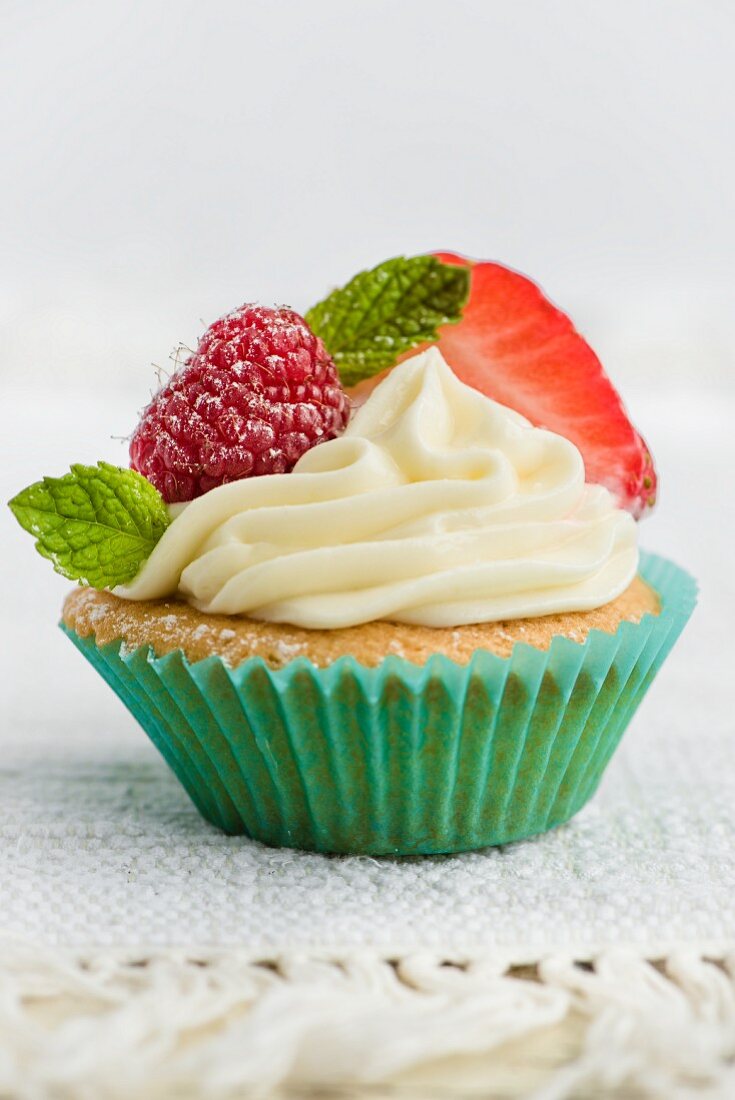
(165, 161)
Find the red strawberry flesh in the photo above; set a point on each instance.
(519, 349)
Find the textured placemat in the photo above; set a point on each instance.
(100, 846)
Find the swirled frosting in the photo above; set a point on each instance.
(437, 506)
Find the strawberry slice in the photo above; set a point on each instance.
(515, 346)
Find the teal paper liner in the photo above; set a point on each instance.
(400, 759)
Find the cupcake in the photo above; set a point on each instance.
(420, 627)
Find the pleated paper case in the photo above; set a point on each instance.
(400, 759)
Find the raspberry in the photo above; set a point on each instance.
(258, 392)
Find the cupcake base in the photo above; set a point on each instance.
(168, 625)
(399, 759)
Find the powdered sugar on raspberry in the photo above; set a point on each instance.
(259, 391)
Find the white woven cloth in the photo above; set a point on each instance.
(99, 845)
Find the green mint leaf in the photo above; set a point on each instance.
(384, 312)
(96, 524)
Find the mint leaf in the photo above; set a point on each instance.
(97, 524)
(384, 312)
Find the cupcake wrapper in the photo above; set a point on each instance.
(401, 759)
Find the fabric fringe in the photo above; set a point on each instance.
(220, 1024)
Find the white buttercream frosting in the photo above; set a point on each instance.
(436, 506)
